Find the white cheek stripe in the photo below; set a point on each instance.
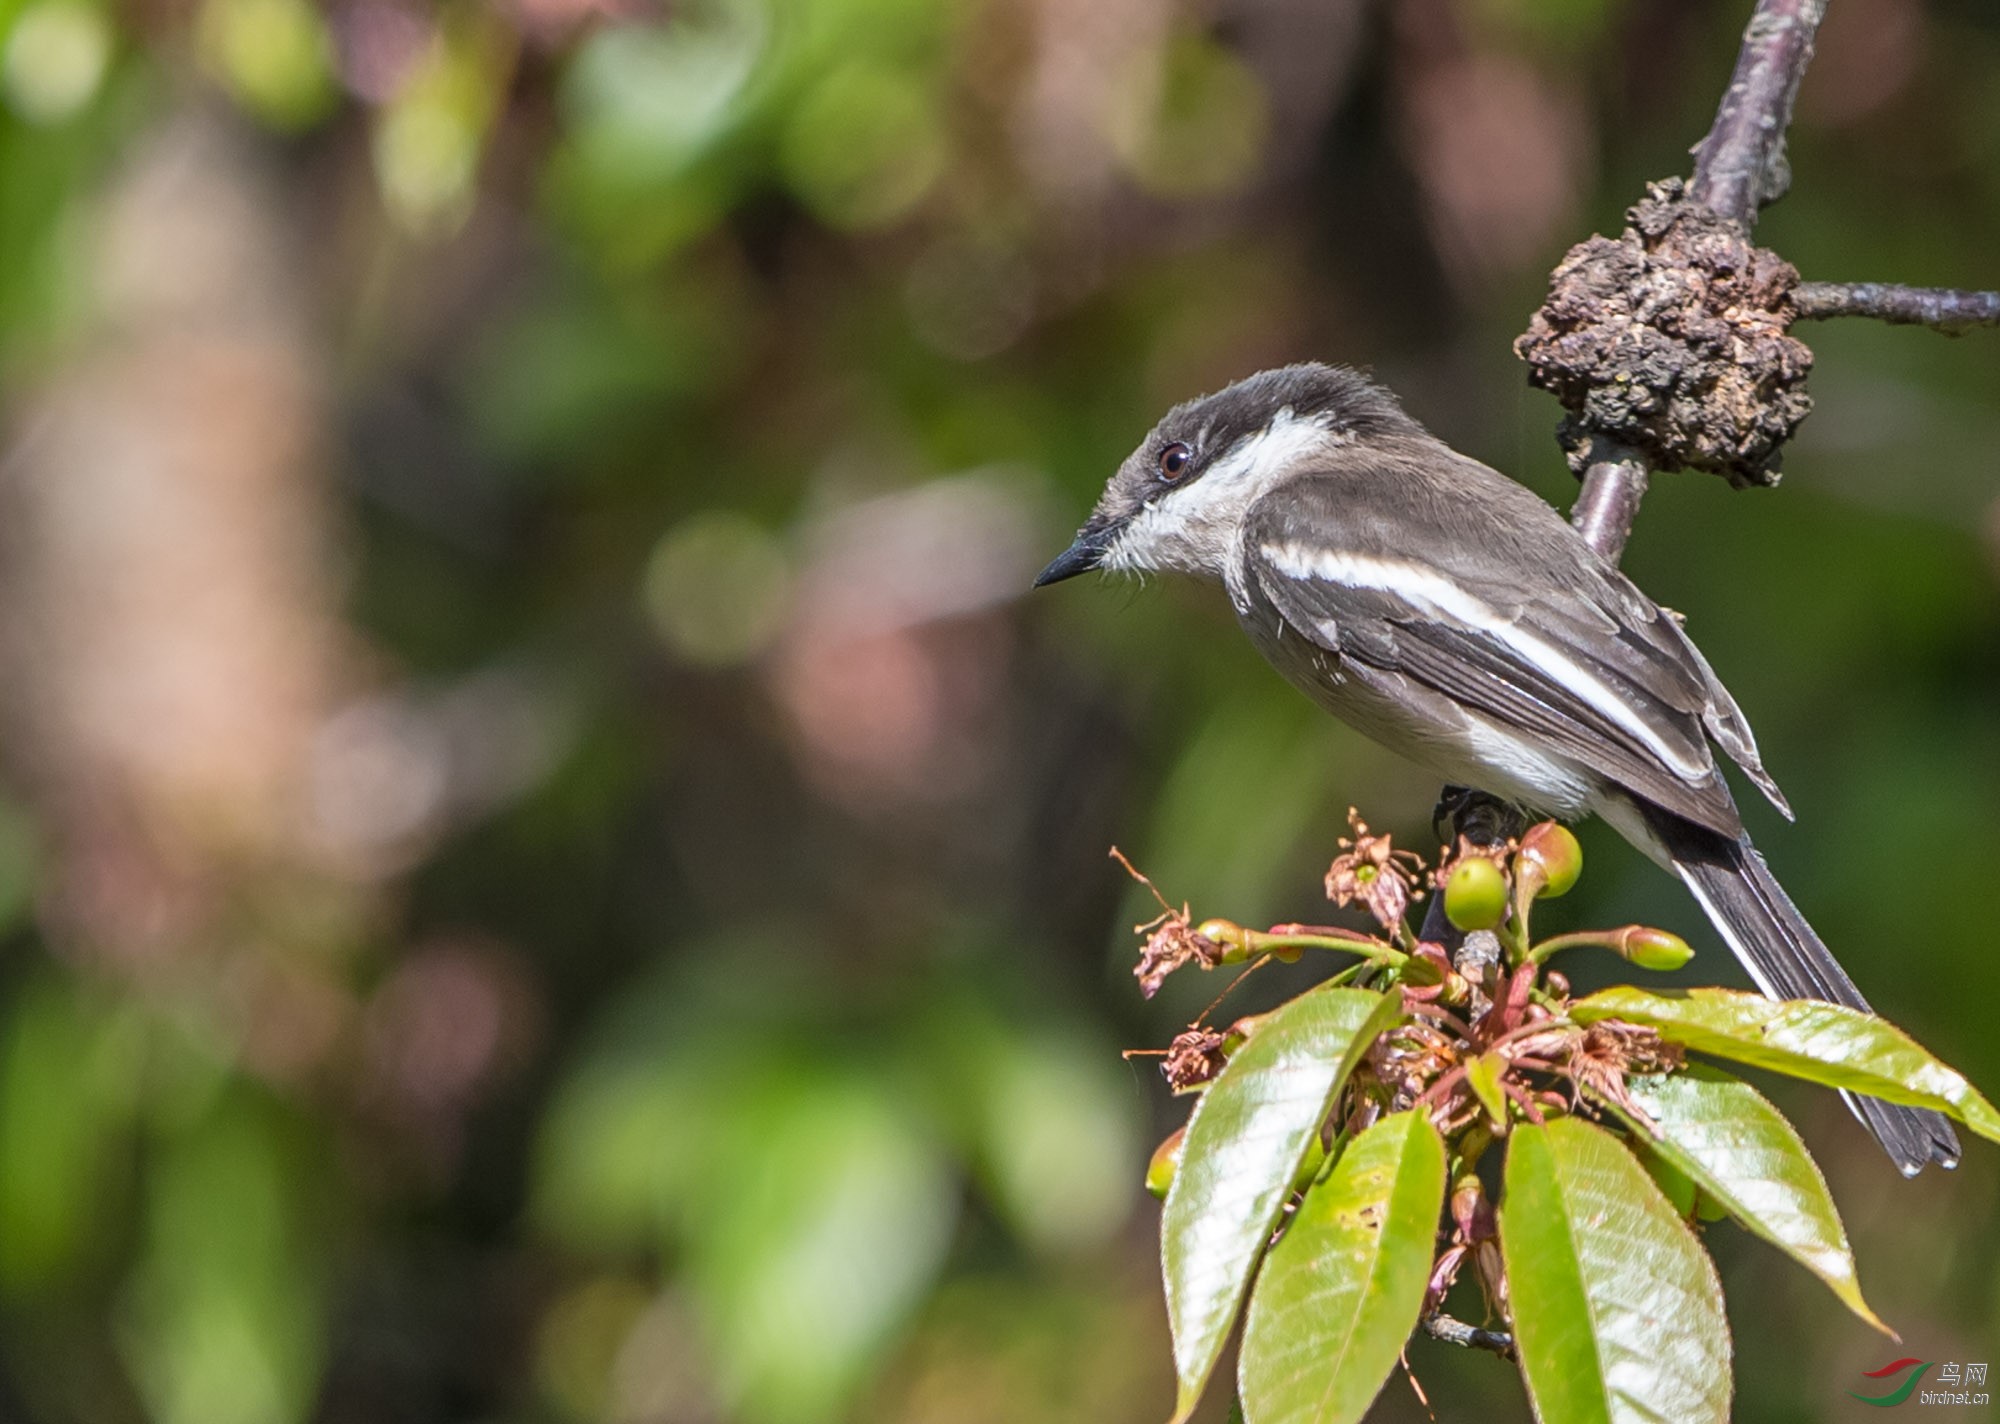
(1253, 463)
(1204, 512)
(1438, 597)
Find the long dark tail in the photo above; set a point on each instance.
(1787, 960)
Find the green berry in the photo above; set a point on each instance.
(1239, 1032)
(1234, 939)
(1166, 1161)
(1475, 894)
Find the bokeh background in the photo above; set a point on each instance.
(549, 868)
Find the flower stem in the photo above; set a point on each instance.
(1373, 950)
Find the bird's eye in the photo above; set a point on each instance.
(1174, 461)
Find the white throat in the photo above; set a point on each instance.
(1189, 529)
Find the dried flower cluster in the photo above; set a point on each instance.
(1372, 872)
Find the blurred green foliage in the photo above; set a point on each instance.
(581, 896)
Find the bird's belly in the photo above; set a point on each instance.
(1460, 744)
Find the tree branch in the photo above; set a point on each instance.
(1457, 1332)
(1613, 484)
(1738, 168)
(1937, 307)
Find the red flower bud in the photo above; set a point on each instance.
(1550, 860)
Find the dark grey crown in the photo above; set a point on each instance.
(1353, 404)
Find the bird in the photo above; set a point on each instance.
(1452, 615)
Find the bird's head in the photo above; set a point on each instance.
(1176, 502)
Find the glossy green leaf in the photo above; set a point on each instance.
(1805, 1038)
(1340, 1292)
(1677, 1186)
(1246, 1141)
(1736, 1147)
(1617, 1309)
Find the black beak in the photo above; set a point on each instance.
(1079, 558)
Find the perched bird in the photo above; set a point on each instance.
(1449, 613)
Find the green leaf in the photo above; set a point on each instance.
(1674, 1184)
(1246, 1141)
(1617, 1309)
(1737, 1148)
(1340, 1292)
(1482, 1075)
(225, 1312)
(804, 1265)
(1823, 1043)
(65, 1107)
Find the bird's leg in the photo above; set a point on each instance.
(1485, 820)
(1479, 821)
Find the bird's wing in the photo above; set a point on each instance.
(1524, 629)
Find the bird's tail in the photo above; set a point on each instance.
(1752, 912)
